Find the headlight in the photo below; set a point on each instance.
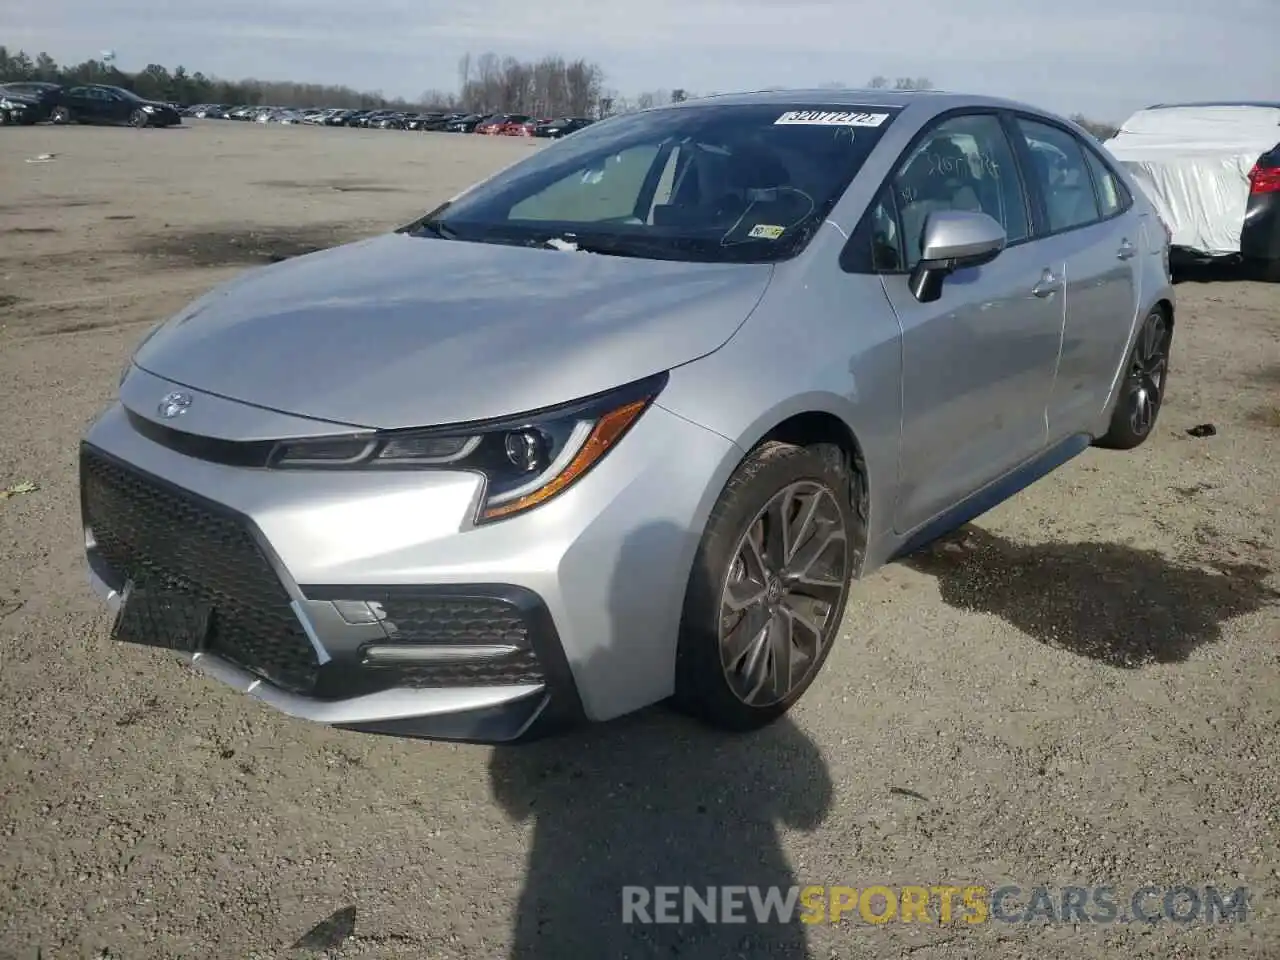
(148, 109)
(525, 460)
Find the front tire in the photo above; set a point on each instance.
(139, 119)
(61, 116)
(1143, 389)
(769, 586)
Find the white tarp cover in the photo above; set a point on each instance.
(1194, 162)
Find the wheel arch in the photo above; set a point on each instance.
(811, 424)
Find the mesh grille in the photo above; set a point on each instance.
(157, 535)
(462, 621)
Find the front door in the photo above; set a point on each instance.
(119, 108)
(1091, 224)
(978, 364)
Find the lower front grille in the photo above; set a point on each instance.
(145, 530)
(460, 621)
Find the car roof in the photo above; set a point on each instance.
(1266, 104)
(938, 100)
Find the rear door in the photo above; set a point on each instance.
(977, 364)
(1083, 213)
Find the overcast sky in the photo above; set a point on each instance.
(1103, 57)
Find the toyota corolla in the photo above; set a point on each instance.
(624, 422)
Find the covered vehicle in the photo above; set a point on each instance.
(1212, 170)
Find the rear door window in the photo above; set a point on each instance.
(1112, 196)
(1062, 174)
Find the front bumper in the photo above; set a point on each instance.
(496, 632)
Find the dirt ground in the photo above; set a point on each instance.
(1085, 691)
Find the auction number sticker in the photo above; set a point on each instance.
(831, 118)
(766, 231)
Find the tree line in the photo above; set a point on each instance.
(488, 83)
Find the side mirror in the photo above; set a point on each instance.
(953, 240)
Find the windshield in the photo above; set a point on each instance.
(713, 182)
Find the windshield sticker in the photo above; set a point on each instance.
(766, 231)
(829, 118)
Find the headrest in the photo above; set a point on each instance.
(753, 169)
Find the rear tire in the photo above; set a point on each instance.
(60, 116)
(769, 586)
(1142, 391)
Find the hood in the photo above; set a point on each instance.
(402, 331)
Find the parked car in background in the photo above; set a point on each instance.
(562, 127)
(101, 103)
(433, 121)
(468, 123)
(204, 111)
(634, 414)
(1213, 172)
(35, 100)
(491, 124)
(394, 121)
(504, 124)
(18, 108)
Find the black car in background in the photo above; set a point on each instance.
(468, 123)
(562, 127)
(32, 100)
(1260, 234)
(17, 108)
(433, 121)
(99, 103)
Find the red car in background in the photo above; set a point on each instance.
(525, 129)
(502, 124)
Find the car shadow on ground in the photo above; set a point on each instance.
(656, 799)
(650, 801)
(1124, 606)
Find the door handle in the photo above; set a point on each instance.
(1127, 249)
(1048, 285)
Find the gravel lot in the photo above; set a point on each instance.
(1085, 689)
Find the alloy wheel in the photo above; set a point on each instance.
(1147, 374)
(784, 583)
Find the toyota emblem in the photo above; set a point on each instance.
(173, 405)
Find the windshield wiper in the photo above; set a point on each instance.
(665, 248)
